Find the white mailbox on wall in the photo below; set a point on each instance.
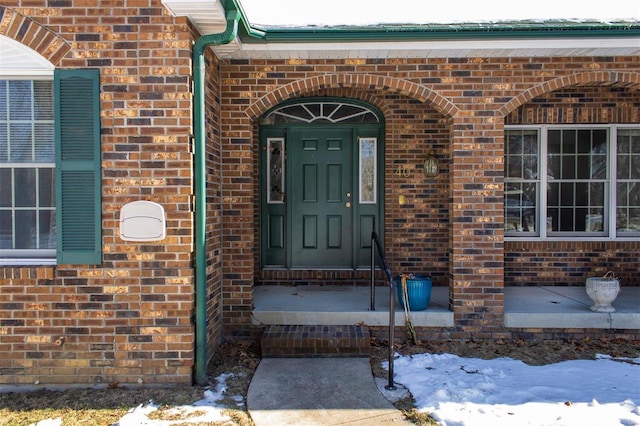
(142, 221)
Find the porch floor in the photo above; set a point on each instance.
(525, 307)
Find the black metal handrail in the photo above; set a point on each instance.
(375, 244)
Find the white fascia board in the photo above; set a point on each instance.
(455, 48)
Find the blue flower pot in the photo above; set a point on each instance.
(418, 289)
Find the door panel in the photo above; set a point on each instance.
(321, 214)
(276, 232)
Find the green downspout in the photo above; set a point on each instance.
(200, 190)
(234, 15)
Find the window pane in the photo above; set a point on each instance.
(553, 142)
(568, 170)
(368, 170)
(46, 188)
(567, 194)
(521, 181)
(594, 222)
(6, 229)
(4, 143)
(25, 184)
(3, 100)
(6, 187)
(599, 166)
(634, 167)
(623, 166)
(43, 143)
(20, 143)
(584, 167)
(584, 141)
(581, 194)
(628, 212)
(275, 177)
(43, 100)
(514, 166)
(596, 195)
(568, 141)
(20, 100)
(47, 223)
(520, 207)
(25, 229)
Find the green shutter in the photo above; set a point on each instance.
(78, 175)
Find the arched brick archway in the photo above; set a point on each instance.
(371, 89)
(358, 81)
(33, 35)
(624, 79)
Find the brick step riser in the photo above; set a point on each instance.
(300, 341)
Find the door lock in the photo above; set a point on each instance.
(348, 195)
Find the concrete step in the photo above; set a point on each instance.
(315, 341)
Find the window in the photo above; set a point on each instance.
(313, 111)
(50, 176)
(579, 181)
(275, 175)
(628, 182)
(368, 173)
(27, 162)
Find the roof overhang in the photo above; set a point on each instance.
(441, 49)
(208, 16)
(503, 39)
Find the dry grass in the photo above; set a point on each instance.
(107, 406)
(87, 406)
(104, 407)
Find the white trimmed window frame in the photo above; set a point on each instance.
(610, 226)
(19, 62)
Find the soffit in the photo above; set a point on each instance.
(208, 16)
(442, 49)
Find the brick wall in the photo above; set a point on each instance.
(213, 230)
(130, 317)
(452, 224)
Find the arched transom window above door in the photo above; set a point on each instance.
(314, 111)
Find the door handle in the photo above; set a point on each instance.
(348, 204)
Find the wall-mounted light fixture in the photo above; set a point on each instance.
(431, 167)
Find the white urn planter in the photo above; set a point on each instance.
(603, 291)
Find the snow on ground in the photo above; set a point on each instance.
(468, 391)
(205, 410)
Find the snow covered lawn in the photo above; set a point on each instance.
(503, 391)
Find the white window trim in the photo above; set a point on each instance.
(609, 189)
(19, 62)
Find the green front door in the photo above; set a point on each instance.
(321, 163)
(321, 197)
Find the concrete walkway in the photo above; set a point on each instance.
(318, 391)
